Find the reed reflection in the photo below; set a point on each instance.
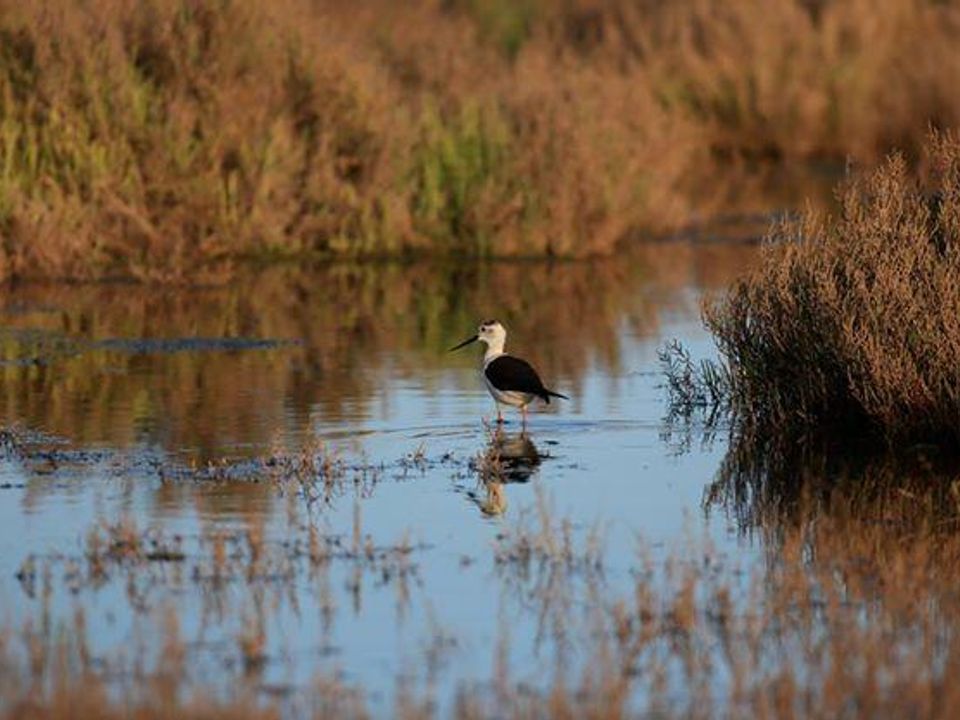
(861, 548)
(73, 360)
(771, 488)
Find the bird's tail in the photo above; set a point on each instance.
(547, 394)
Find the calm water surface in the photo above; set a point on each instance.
(126, 394)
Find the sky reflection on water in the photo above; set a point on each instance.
(355, 358)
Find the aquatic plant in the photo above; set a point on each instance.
(852, 322)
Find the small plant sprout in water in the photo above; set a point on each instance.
(702, 387)
(114, 545)
(320, 474)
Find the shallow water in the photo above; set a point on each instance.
(161, 406)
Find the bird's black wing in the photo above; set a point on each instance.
(509, 373)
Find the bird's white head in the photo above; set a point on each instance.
(492, 334)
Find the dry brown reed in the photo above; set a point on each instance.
(784, 78)
(854, 322)
(163, 140)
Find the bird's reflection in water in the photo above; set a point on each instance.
(519, 457)
(507, 458)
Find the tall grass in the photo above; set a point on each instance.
(163, 140)
(854, 321)
(791, 78)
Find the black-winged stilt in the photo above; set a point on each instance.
(510, 380)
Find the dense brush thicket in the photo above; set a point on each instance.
(856, 319)
(163, 139)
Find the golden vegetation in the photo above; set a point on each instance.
(163, 140)
(854, 321)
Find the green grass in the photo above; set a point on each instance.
(462, 174)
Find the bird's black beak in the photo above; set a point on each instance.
(464, 343)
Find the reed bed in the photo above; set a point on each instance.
(166, 140)
(850, 322)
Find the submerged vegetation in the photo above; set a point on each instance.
(163, 140)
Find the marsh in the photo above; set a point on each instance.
(241, 477)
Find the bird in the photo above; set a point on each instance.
(510, 380)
